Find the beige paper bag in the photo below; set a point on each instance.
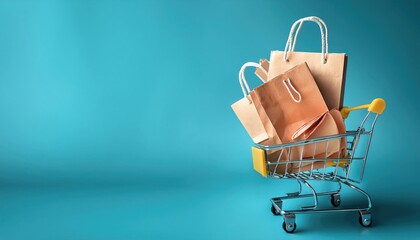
(330, 124)
(255, 121)
(336, 148)
(325, 127)
(245, 109)
(328, 69)
(265, 64)
(273, 156)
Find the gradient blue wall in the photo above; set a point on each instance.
(139, 92)
(130, 90)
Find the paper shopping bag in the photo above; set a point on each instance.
(265, 64)
(326, 126)
(273, 156)
(245, 109)
(328, 69)
(335, 148)
(255, 121)
(292, 102)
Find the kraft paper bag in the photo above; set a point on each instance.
(278, 156)
(273, 156)
(245, 109)
(336, 148)
(326, 126)
(255, 121)
(328, 69)
(338, 118)
(291, 102)
(265, 64)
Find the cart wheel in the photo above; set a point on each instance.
(274, 211)
(365, 220)
(335, 200)
(289, 228)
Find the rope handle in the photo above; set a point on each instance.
(286, 84)
(245, 87)
(291, 41)
(242, 80)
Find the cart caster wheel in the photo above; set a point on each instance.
(274, 211)
(365, 219)
(289, 224)
(335, 200)
(289, 228)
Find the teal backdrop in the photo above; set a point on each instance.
(115, 118)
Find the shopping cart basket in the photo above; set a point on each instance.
(336, 168)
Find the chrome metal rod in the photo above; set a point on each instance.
(305, 195)
(314, 195)
(294, 194)
(312, 140)
(361, 191)
(302, 211)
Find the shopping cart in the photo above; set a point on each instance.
(336, 168)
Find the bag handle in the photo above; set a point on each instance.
(287, 83)
(245, 87)
(290, 47)
(242, 81)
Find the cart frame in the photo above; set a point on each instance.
(325, 168)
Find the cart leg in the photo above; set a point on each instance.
(362, 192)
(276, 205)
(339, 186)
(314, 195)
(293, 194)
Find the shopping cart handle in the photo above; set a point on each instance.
(377, 106)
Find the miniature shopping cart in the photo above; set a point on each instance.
(344, 168)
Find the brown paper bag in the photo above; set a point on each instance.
(257, 124)
(336, 148)
(328, 69)
(265, 64)
(330, 124)
(245, 109)
(273, 156)
(291, 101)
(254, 119)
(325, 127)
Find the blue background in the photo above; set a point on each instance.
(116, 122)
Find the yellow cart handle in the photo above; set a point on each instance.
(377, 106)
